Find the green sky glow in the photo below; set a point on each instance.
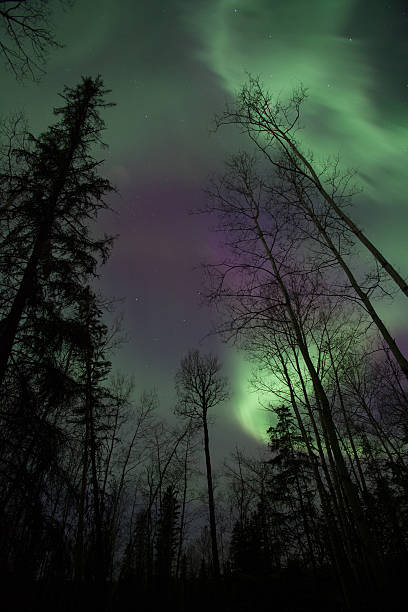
(247, 403)
(324, 46)
(251, 406)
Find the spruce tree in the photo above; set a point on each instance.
(53, 197)
(166, 542)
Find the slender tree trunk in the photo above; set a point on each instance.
(309, 173)
(347, 424)
(211, 505)
(399, 357)
(304, 513)
(99, 548)
(79, 541)
(183, 509)
(9, 325)
(335, 541)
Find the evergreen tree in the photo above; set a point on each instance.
(52, 199)
(166, 542)
(249, 548)
(292, 478)
(52, 341)
(92, 414)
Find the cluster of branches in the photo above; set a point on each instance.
(26, 36)
(299, 295)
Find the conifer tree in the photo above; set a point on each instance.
(92, 414)
(293, 476)
(55, 194)
(166, 541)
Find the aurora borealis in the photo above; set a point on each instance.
(171, 66)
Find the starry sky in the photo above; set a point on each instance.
(171, 65)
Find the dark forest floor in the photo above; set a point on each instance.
(291, 590)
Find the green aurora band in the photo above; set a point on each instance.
(296, 42)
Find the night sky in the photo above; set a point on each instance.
(172, 65)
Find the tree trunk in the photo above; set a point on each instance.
(99, 548)
(293, 152)
(399, 357)
(335, 541)
(79, 541)
(183, 509)
(9, 325)
(211, 506)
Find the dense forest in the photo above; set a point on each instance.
(106, 506)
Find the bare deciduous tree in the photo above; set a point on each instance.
(200, 387)
(26, 35)
(272, 125)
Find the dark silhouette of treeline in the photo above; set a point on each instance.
(103, 505)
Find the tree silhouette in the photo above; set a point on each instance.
(95, 404)
(272, 126)
(293, 482)
(200, 387)
(166, 541)
(56, 193)
(249, 549)
(26, 35)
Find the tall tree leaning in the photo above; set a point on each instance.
(60, 190)
(287, 186)
(200, 387)
(273, 124)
